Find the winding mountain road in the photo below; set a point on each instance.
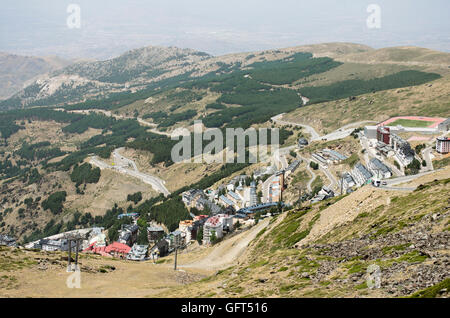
(333, 182)
(277, 119)
(108, 113)
(426, 154)
(311, 172)
(340, 133)
(127, 166)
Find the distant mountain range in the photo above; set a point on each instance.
(16, 71)
(130, 71)
(29, 81)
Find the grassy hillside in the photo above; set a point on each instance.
(412, 56)
(424, 100)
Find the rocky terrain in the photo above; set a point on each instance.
(406, 251)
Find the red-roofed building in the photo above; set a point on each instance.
(117, 249)
(200, 217)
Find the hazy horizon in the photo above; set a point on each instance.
(109, 28)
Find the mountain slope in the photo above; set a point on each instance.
(136, 65)
(82, 80)
(150, 68)
(16, 70)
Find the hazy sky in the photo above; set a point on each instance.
(110, 27)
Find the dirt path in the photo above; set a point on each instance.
(108, 113)
(227, 252)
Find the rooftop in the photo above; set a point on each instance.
(366, 173)
(234, 195)
(379, 165)
(213, 221)
(335, 154)
(348, 177)
(155, 229)
(226, 200)
(117, 247)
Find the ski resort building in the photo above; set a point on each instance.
(361, 174)
(7, 240)
(403, 151)
(384, 135)
(348, 181)
(213, 224)
(443, 145)
(253, 194)
(444, 126)
(379, 169)
(155, 233)
(137, 253)
(128, 234)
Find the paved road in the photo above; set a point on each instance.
(153, 126)
(333, 182)
(426, 154)
(311, 172)
(279, 156)
(309, 129)
(399, 180)
(128, 166)
(340, 133)
(345, 131)
(265, 188)
(121, 161)
(117, 116)
(397, 189)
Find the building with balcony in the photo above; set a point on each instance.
(213, 224)
(379, 169)
(443, 145)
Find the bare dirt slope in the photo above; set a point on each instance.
(227, 252)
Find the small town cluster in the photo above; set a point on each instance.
(229, 207)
